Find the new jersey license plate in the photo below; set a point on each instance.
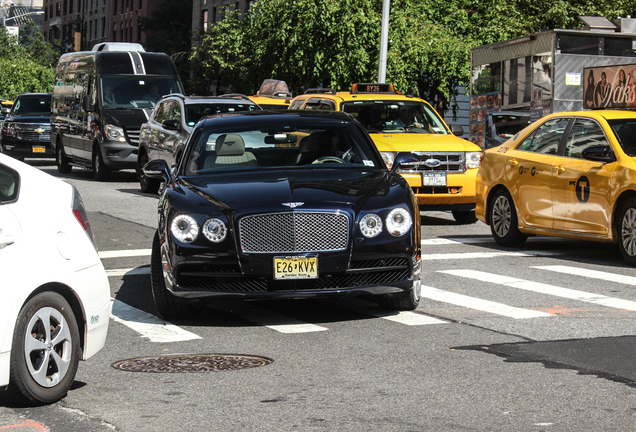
(296, 267)
(434, 179)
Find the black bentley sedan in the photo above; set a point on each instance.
(283, 204)
(26, 130)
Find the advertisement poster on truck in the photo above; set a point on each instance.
(609, 87)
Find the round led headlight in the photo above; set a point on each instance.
(184, 228)
(398, 221)
(214, 230)
(371, 225)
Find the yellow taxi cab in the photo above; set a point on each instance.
(569, 174)
(444, 176)
(273, 94)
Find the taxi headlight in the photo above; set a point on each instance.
(388, 158)
(214, 230)
(473, 159)
(370, 225)
(184, 228)
(398, 221)
(114, 133)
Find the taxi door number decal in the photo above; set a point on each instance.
(583, 189)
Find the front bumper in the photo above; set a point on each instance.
(118, 155)
(19, 148)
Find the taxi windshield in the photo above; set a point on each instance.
(625, 131)
(379, 116)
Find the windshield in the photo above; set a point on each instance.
(194, 112)
(40, 105)
(625, 131)
(288, 146)
(396, 116)
(136, 91)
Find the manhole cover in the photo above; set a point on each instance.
(191, 363)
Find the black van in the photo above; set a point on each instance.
(100, 100)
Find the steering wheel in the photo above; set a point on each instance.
(328, 159)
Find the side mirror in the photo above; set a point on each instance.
(158, 169)
(457, 130)
(172, 125)
(87, 104)
(599, 154)
(405, 160)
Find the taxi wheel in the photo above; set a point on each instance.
(46, 351)
(465, 217)
(627, 231)
(168, 305)
(503, 220)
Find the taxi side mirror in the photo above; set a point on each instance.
(457, 130)
(599, 154)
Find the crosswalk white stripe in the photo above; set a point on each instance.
(455, 241)
(402, 317)
(594, 274)
(494, 254)
(275, 321)
(124, 253)
(545, 289)
(480, 304)
(148, 325)
(128, 272)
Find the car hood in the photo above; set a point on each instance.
(130, 118)
(271, 191)
(409, 142)
(30, 118)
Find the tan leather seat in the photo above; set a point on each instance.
(230, 150)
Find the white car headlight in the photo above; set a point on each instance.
(214, 230)
(370, 225)
(184, 228)
(398, 221)
(114, 133)
(388, 158)
(473, 159)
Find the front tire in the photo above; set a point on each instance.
(504, 224)
(46, 351)
(404, 301)
(62, 161)
(168, 305)
(148, 185)
(100, 171)
(626, 230)
(465, 217)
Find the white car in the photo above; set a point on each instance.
(55, 294)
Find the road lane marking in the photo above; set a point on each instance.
(455, 241)
(125, 253)
(129, 272)
(148, 325)
(480, 304)
(545, 289)
(275, 321)
(402, 317)
(593, 274)
(494, 254)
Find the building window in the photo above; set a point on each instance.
(65, 7)
(103, 27)
(204, 23)
(213, 14)
(115, 7)
(70, 7)
(58, 9)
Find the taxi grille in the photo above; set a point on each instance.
(33, 132)
(296, 232)
(450, 162)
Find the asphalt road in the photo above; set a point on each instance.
(540, 338)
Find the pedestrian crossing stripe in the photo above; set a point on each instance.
(542, 288)
(593, 274)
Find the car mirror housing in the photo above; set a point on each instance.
(457, 130)
(158, 169)
(172, 125)
(599, 154)
(405, 160)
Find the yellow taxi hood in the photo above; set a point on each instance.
(410, 142)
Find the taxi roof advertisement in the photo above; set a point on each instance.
(610, 87)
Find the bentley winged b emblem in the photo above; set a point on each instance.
(293, 204)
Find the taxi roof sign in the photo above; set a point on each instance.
(373, 88)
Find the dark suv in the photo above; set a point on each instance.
(171, 123)
(26, 130)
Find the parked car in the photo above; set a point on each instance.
(26, 129)
(570, 174)
(165, 133)
(283, 204)
(443, 179)
(5, 108)
(55, 294)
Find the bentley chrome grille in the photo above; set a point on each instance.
(294, 232)
(449, 162)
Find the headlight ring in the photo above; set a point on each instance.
(184, 228)
(398, 222)
(214, 230)
(370, 225)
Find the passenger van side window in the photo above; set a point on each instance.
(546, 138)
(584, 134)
